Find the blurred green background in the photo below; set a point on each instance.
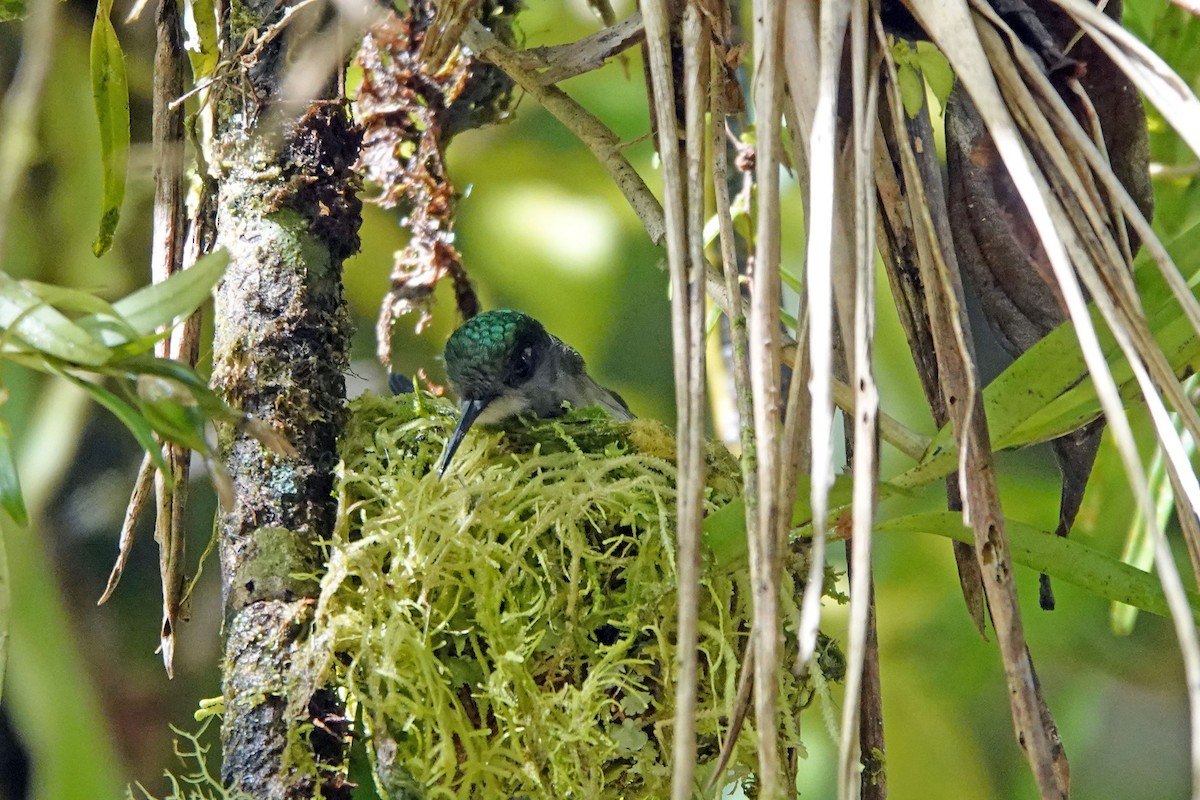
(86, 706)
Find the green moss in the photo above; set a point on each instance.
(509, 630)
(276, 564)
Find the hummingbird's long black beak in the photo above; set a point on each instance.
(470, 410)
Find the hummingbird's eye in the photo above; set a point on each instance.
(522, 367)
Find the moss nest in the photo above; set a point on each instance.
(509, 630)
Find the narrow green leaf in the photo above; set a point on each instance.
(206, 402)
(66, 299)
(912, 89)
(176, 422)
(1080, 404)
(110, 92)
(172, 411)
(1046, 392)
(1059, 558)
(129, 416)
(160, 304)
(936, 70)
(163, 368)
(11, 499)
(124, 341)
(25, 317)
(198, 390)
(203, 50)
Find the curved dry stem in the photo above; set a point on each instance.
(598, 138)
(946, 23)
(684, 207)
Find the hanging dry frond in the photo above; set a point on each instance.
(414, 97)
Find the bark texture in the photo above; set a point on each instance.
(288, 216)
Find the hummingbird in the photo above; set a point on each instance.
(504, 364)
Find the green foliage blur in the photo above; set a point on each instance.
(541, 228)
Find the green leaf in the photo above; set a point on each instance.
(130, 417)
(110, 92)
(124, 341)
(172, 413)
(160, 304)
(200, 392)
(912, 89)
(1059, 558)
(11, 499)
(11, 10)
(181, 424)
(1080, 404)
(163, 368)
(936, 70)
(725, 529)
(912, 85)
(26, 317)
(65, 298)
(203, 51)
(1046, 392)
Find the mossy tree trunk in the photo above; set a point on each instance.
(288, 216)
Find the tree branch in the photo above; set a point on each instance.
(598, 138)
(288, 216)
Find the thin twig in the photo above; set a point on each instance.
(834, 17)
(870, 729)
(598, 138)
(557, 63)
(166, 259)
(865, 77)
(137, 502)
(687, 315)
(764, 377)
(736, 318)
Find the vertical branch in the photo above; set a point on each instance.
(288, 216)
(735, 308)
(865, 81)
(873, 779)
(764, 378)
(900, 257)
(735, 313)
(688, 317)
(166, 259)
(684, 209)
(943, 287)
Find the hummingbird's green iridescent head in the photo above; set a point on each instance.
(492, 351)
(504, 364)
(489, 356)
